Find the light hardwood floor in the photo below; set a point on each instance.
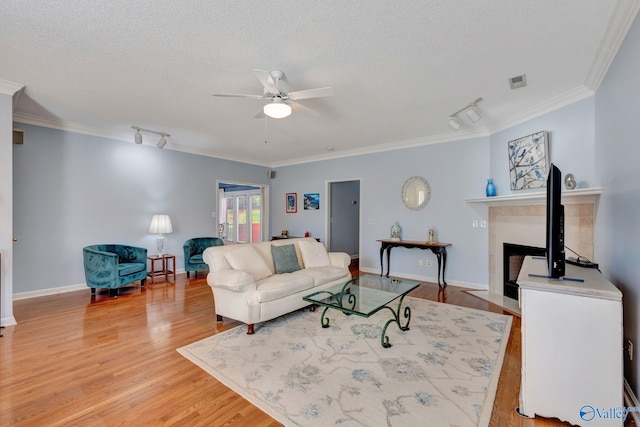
(107, 361)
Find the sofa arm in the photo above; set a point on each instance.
(340, 259)
(234, 280)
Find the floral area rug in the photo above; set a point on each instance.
(442, 372)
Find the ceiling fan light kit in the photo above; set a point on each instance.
(471, 111)
(277, 109)
(137, 137)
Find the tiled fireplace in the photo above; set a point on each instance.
(521, 221)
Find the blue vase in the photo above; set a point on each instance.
(491, 189)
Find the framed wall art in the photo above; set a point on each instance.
(312, 201)
(529, 161)
(292, 203)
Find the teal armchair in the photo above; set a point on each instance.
(193, 250)
(113, 266)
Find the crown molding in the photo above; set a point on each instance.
(9, 88)
(622, 19)
(390, 146)
(562, 100)
(31, 119)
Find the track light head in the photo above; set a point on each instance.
(161, 142)
(137, 137)
(473, 114)
(454, 123)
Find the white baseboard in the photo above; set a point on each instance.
(419, 278)
(8, 321)
(49, 291)
(631, 401)
(54, 291)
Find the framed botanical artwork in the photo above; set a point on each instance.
(292, 203)
(312, 201)
(529, 161)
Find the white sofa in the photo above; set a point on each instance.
(256, 282)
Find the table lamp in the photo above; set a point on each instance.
(160, 224)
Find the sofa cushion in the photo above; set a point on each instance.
(285, 259)
(283, 285)
(314, 254)
(322, 275)
(127, 268)
(249, 260)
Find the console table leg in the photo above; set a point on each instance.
(381, 264)
(444, 265)
(388, 260)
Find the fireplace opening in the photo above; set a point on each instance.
(513, 257)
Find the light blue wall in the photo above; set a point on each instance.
(571, 145)
(72, 190)
(456, 171)
(617, 166)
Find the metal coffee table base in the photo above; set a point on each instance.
(384, 339)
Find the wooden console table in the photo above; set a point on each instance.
(439, 249)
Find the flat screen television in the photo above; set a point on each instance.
(555, 224)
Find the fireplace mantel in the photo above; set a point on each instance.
(582, 195)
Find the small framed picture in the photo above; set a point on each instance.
(312, 201)
(292, 203)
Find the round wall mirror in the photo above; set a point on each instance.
(416, 193)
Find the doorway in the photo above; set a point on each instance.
(343, 228)
(243, 211)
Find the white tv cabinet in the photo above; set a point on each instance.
(572, 366)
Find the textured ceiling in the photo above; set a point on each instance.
(398, 68)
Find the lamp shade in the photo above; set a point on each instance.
(160, 224)
(277, 109)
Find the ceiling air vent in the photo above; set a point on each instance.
(518, 81)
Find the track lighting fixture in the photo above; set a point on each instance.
(137, 137)
(471, 112)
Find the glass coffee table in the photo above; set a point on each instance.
(365, 296)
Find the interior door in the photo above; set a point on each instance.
(344, 217)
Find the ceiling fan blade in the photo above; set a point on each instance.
(234, 95)
(311, 93)
(303, 109)
(267, 80)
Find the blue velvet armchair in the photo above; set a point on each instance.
(193, 250)
(114, 266)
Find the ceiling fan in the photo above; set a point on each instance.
(279, 107)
